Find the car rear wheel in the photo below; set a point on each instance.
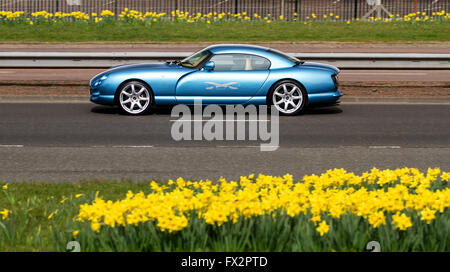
(135, 98)
(288, 97)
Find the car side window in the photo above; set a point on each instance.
(239, 62)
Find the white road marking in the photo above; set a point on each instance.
(206, 120)
(7, 72)
(245, 146)
(384, 146)
(11, 145)
(132, 146)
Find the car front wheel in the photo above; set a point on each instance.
(135, 98)
(288, 97)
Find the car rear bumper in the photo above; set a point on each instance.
(328, 97)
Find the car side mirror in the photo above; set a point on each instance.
(209, 66)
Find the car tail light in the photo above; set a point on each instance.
(335, 78)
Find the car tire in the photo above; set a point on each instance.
(288, 97)
(134, 98)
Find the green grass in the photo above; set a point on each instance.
(28, 226)
(117, 31)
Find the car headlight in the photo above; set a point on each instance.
(335, 78)
(99, 81)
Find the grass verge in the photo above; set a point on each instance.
(117, 31)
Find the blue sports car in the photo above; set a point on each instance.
(219, 74)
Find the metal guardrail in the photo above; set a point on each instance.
(106, 60)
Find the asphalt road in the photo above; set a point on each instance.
(72, 142)
(25, 75)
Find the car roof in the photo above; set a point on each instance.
(219, 48)
(276, 60)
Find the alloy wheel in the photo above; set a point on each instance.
(287, 98)
(134, 98)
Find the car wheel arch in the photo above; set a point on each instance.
(116, 96)
(271, 89)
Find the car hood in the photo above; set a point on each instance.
(321, 66)
(143, 66)
(129, 67)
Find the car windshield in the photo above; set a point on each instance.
(196, 59)
(286, 56)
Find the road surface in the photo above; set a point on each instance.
(73, 142)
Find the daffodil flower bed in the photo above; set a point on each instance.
(130, 15)
(402, 209)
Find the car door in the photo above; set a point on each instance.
(235, 79)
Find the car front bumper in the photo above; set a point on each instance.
(98, 98)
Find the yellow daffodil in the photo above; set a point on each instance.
(377, 219)
(95, 226)
(50, 216)
(5, 213)
(427, 215)
(323, 228)
(401, 221)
